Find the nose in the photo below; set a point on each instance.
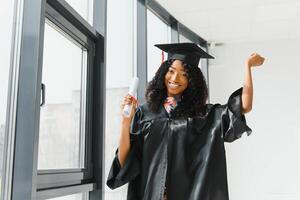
(174, 77)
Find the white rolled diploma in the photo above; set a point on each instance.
(132, 91)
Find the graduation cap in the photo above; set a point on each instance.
(189, 53)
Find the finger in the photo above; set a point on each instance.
(134, 99)
(126, 101)
(133, 107)
(127, 98)
(136, 103)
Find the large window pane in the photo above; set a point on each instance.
(6, 24)
(157, 32)
(119, 72)
(62, 123)
(84, 8)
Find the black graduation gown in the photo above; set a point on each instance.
(188, 153)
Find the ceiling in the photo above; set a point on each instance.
(238, 21)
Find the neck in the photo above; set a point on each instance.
(177, 97)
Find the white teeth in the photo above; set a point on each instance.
(173, 85)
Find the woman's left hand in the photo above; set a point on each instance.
(255, 60)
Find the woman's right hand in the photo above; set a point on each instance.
(128, 99)
(255, 60)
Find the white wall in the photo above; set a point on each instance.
(265, 165)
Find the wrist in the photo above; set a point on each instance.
(248, 64)
(126, 121)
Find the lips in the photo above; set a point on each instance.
(173, 85)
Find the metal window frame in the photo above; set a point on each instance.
(27, 181)
(50, 178)
(99, 96)
(141, 49)
(9, 136)
(28, 99)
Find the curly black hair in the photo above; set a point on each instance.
(193, 98)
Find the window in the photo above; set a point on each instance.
(120, 68)
(49, 79)
(158, 32)
(7, 66)
(62, 117)
(65, 131)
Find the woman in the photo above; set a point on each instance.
(172, 147)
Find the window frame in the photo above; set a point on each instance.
(63, 177)
(27, 181)
(51, 176)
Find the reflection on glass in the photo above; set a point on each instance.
(62, 116)
(6, 23)
(162, 34)
(79, 196)
(84, 8)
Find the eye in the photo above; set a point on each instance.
(184, 74)
(171, 71)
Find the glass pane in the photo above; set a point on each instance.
(6, 23)
(79, 196)
(162, 34)
(120, 67)
(62, 124)
(84, 8)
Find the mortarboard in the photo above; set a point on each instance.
(189, 53)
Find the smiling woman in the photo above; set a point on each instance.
(168, 144)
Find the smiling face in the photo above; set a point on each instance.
(176, 80)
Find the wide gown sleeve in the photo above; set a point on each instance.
(118, 175)
(233, 122)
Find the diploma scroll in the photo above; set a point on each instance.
(132, 92)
